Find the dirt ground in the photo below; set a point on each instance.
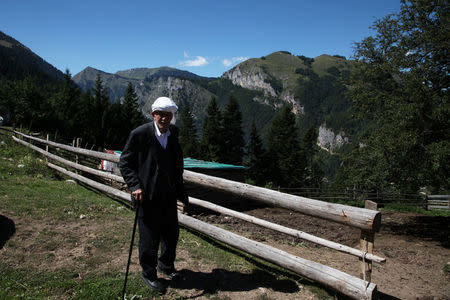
(416, 248)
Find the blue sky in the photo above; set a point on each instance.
(203, 37)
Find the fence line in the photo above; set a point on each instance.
(214, 207)
(437, 202)
(365, 219)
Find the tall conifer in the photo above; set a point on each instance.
(188, 133)
(133, 117)
(255, 157)
(283, 148)
(100, 102)
(233, 141)
(212, 133)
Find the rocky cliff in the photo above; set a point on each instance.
(328, 140)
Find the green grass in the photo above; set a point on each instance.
(446, 268)
(416, 209)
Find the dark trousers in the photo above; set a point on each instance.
(158, 224)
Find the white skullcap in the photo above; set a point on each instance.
(164, 104)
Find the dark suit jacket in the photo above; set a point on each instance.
(138, 162)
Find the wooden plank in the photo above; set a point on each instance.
(71, 164)
(344, 283)
(362, 218)
(371, 205)
(365, 266)
(289, 231)
(99, 186)
(437, 202)
(366, 243)
(438, 197)
(101, 155)
(438, 207)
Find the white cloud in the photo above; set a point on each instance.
(199, 61)
(186, 55)
(237, 59)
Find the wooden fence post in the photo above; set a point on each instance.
(78, 146)
(366, 242)
(46, 149)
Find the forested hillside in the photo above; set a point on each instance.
(377, 122)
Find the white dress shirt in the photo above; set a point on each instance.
(161, 137)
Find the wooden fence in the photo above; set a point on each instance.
(365, 219)
(437, 202)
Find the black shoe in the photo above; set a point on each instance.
(172, 274)
(154, 284)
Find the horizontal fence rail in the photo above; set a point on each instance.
(438, 202)
(367, 220)
(362, 218)
(289, 231)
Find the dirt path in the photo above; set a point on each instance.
(416, 248)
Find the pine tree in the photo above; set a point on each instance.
(255, 157)
(100, 102)
(188, 133)
(313, 170)
(130, 110)
(233, 141)
(283, 148)
(212, 132)
(66, 106)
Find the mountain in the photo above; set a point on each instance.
(182, 86)
(312, 85)
(18, 61)
(261, 86)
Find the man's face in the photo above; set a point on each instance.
(162, 119)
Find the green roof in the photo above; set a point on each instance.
(190, 163)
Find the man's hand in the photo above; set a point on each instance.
(182, 207)
(137, 195)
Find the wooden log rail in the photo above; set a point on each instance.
(342, 282)
(365, 219)
(289, 231)
(436, 202)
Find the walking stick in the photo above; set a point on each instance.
(131, 248)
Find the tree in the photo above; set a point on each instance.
(283, 149)
(255, 157)
(188, 133)
(66, 106)
(100, 101)
(313, 170)
(212, 130)
(132, 116)
(232, 136)
(400, 84)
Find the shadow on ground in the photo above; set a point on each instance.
(224, 280)
(426, 227)
(7, 230)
